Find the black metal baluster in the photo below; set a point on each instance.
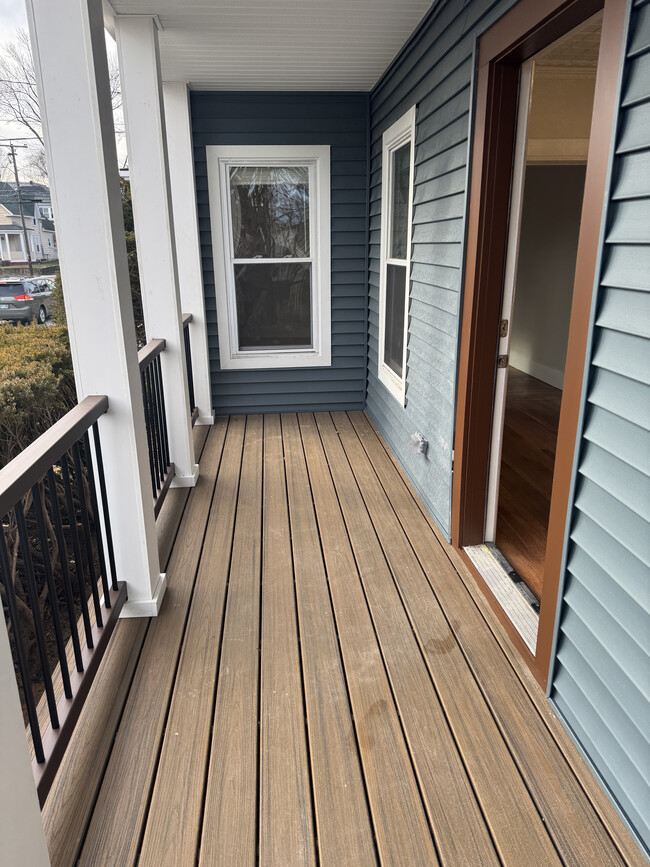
(150, 443)
(155, 431)
(85, 525)
(163, 412)
(51, 589)
(107, 517)
(39, 630)
(21, 656)
(160, 442)
(155, 423)
(65, 568)
(188, 364)
(96, 520)
(72, 519)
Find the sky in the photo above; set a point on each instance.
(13, 16)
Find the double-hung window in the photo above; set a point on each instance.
(270, 213)
(396, 205)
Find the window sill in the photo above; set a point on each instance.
(274, 360)
(397, 387)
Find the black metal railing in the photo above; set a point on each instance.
(194, 412)
(56, 558)
(155, 415)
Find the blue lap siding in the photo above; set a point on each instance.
(338, 120)
(601, 679)
(434, 73)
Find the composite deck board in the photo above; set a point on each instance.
(229, 835)
(581, 822)
(514, 822)
(117, 822)
(323, 686)
(286, 816)
(400, 822)
(343, 824)
(455, 816)
(176, 811)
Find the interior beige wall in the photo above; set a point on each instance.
(547, 252)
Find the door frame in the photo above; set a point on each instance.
(525, 30)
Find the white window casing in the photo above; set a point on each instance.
(402, 132)
(317, 159)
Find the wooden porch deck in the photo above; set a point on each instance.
(324, 685)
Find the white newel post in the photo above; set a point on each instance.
(137, 42)
(72, 72)
(22, 840)
(186, 230)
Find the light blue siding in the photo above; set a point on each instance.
(601, 679)
(434, 72)
(340, 120)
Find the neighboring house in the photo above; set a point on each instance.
(37, 210)
(450, 231)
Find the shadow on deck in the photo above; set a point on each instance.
(323, 685)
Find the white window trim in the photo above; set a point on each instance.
(318, 159)
(401, 132)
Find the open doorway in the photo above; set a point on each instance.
(555, 104)
(545, 108)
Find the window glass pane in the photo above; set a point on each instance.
(400, 201)
(273, 305)
(394, 329)
(270, 211)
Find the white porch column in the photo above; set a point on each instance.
(22, 246)
(22, 840)
(137, 42)
(69, 51)
(186, 231)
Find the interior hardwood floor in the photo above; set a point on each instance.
(528, 457)
(323, 686)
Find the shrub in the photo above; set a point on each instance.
(36, 384)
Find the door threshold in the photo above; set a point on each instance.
(519, 604)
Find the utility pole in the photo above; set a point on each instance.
(12, 147)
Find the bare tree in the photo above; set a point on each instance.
(18, 91)
(34, 165)
(18, 94)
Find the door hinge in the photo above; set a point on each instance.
(503, 329)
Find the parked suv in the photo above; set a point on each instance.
(26, 300)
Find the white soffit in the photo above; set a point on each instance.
(279, 44)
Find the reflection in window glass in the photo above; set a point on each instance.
(400, 201)
(270, 211)
(273, 305)
(394, 332)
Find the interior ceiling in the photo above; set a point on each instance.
(279, 44)
(579, 48)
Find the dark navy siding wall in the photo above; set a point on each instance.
(338, 120)
(434, 73)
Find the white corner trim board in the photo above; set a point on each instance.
(317, 160)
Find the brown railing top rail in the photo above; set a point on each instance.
(187, 318)
(27, 468)
(153, 349)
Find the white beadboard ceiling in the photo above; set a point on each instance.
(279, 44)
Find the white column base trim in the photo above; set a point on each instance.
(205, 419)
(186, 481)
(146, 607)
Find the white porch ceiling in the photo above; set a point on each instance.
(279, 44)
